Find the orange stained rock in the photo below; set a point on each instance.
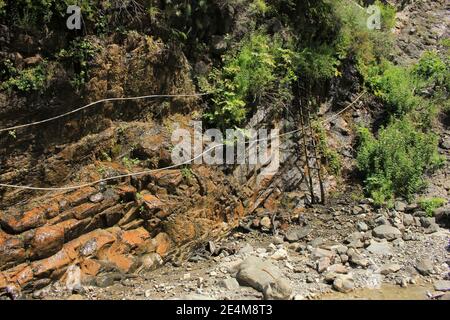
(47, 240)
(126, 190)
(3, 281)
(79, 195)
(26, 221)
(46, 266)
(162, 244)
(90, 267)
(114, 255)
(84, 210)
(136, 237)
(100, 237)
(22, 277)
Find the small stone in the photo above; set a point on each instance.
(408, 220)
(318, 253)
(212, 247)
(359, 260)
(187, 276)
(381, 221)
(264, 277)
(316, 242)
(200, 281)
(427, 221)
(380, 248)
(229, 284)
(362, 226)
(246, 249)
(279, 290)
(400, 205)
(344, 258)
(266, 223)
(425, 267)
(280, 254)
(343, 284)
(323, 264)
(442, 285)
(296, 234)
(338, 268)
(357, 210)
(106, 280)
(98, 197)
(329, 277)
(390, 268)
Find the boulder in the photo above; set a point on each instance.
(386, 232)
(265, 277)
(425, 267)
(343, 284)
(442, 285)
(380, 248)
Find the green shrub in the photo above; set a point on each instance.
(260, 65)
(394, 163)
(30, 79)
(434, 70)
(80, 53)
(332, 159)
(431, 204)
(395, 85)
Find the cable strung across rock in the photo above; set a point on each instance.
(133, 174)
(154, 96)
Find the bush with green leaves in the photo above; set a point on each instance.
(260, 65)
(434, 70)
(431, 204)
(81, 51)
(393, 164)
(395, 85)
(29, 79)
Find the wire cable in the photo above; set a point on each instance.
(172, 166)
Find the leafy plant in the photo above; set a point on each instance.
(431, 204)
(130, 163)
(186, 172)
(248, 73)
(394, 163)
(332, 159)
(80, 53)
(432, 69)
(30, 79)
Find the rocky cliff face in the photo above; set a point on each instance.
(135, 224)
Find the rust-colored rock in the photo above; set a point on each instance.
(135, 238)
(45, 267)
(162, 244)
(116, 254)
(90, 267)
(21, 275)
(24, 221)
(12, 251)
(47, 241)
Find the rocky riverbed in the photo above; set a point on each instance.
(341, 251)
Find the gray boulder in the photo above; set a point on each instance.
(265, 277)
(387, 232)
